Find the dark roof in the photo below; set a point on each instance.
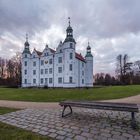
(38, 52)
(26, 43)
(69, 39)
(53, 51)
(80, 57)
(69, 28)
(77, 55)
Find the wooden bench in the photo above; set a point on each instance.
(132, 108)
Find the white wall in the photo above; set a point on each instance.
(76, 73)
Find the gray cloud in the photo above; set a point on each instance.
(112, 27)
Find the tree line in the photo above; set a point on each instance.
(126, 73)
(10, 71)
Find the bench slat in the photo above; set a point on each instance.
(102, 105)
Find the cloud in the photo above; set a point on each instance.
(112, 27)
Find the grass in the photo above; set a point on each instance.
(4, 110)
(8, 132)
(56, 95)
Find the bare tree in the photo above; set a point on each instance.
(123, 69)
(17, 67)
(14, 69)
(119, 69)
(2, 67)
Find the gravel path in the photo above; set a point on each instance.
(132, 99)
(24, 105)
(55, 105)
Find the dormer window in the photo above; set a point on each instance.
(46, 54)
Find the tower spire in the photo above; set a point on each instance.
(26, 37)
(88, 43)
(88, 50)
(26, 44)
(69, 20)
(69, 33)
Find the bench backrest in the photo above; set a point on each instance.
(102, 105)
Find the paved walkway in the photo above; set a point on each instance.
(83, 124)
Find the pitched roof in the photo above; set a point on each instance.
(38, 52)
(53, 51)
(80, 57)
(77, 55)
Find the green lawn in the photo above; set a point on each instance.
(55, 95)
(8, 132)
(4, 110)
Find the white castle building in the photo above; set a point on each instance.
(63, 67)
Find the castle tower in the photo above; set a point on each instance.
(89, 67)
(69, 57)
(26, 55)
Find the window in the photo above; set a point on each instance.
(34, 63)
(70, 67)
(83, 73)
(71, 55)
(41, 80)
(34, 81)
(59, 59)
(50, 70)
(70, 79)
(25, 55)
(34, 72)
(46, 54)
(82, 64)
(25, 63)
(25, 81)
(42, 62)
(59, 69)
(46, 71)
(71, 45)
(50, 80)
(82, 81)
(60, 51)
(46, 80)
(25, 72)
(60, 80)
(50, 61)
(42, 71)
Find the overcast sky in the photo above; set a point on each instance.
(111, 26)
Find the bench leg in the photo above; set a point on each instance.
(133, 121)
(64, 115)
